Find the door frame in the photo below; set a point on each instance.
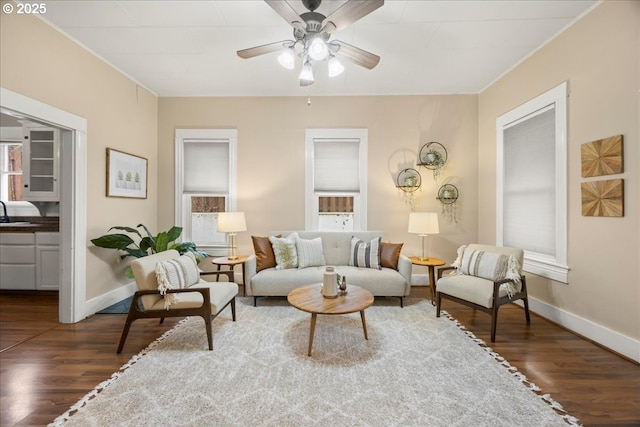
(73, 202)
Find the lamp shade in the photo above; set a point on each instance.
(318, 49)
(231, 222)
(287, 58)
(335, 67)
(306, 74)
(423, 223)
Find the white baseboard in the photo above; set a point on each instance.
(604, 336)
(103, 301)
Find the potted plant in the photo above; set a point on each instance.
(147, 245)
(433, 160)
(137, 181)
(129, 183)
(120, 180)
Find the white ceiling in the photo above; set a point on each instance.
(188, 48)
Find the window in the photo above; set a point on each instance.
(336, 179)
(205, 183)
(10, 171)
(532, 183)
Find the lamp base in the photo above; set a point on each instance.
(422, 258)
(233, 257)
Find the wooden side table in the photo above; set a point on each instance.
(431, 263)
(231, 263)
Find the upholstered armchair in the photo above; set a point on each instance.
(181, 292)
(486, 278)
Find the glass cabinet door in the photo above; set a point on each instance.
(41, 149)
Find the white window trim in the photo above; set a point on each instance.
(554, 268)
(231, 135)
(312, 198)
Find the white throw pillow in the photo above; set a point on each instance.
(285, 252)
(310, 252)
(489, 265)
(177, 273)
(365, 254)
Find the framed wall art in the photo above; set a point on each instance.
(602, 157)
(126, 175)
(603, 198)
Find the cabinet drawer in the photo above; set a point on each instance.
(14, 254)
(17, 277)
(17, 239)
(48, 239)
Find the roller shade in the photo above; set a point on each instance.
(529, 183)
(206, 166)
(336, 165)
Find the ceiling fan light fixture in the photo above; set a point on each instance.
(335, 67)
(318, 49)
(306, 74)
(287, 58)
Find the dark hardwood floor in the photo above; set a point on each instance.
(45, 366)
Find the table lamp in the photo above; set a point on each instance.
(231, 223)
(424, 224)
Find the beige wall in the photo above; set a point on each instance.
(599, 58)
(39, 62)
(271, 153)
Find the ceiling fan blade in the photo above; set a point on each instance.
(349, 13)
(264, 49)
(285, 10)
(356, 55)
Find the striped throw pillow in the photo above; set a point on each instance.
(178, 273)
(365, 254)
(310, 252)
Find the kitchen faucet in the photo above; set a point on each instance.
(4, 218)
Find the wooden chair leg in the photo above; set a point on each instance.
(526, 309)
(207, 325)
(494, 322)
(438, 303)
(125, 331)
(233, 309)
(161, 320)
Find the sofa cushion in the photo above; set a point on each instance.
(264, 253)
(389, 254)
(364, 254)
(285, 252)
(310, 252)
(384, 282)
(177, 273)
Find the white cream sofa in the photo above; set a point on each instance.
(385, 282)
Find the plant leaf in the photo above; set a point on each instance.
(146, 229)
(127, 229)
(184, 247)
(174, 233)
(147, 243)
(134, 252)
(113, 241)
(162, 241)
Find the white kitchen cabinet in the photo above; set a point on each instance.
(41, 164)
(47, 261)
(17, 261)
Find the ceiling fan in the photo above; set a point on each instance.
(312, 32)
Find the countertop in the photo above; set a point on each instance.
(35, 224)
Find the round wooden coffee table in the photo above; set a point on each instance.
(308, 298)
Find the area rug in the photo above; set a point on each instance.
(415, 370)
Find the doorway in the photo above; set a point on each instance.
(72, 292)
